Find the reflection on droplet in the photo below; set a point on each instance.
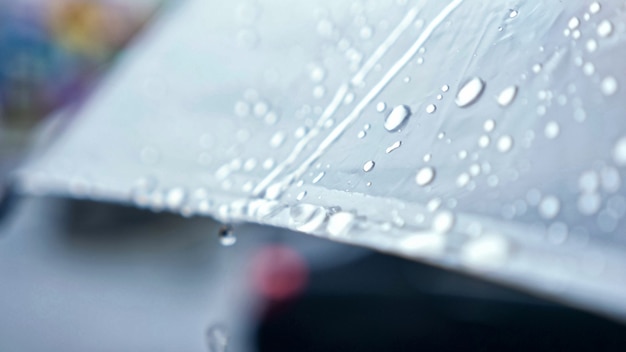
(513, 13)
(470, 92)
(594, 7)
(573, 23)
(425, 176)
(445, 88)
(506, 97)
(381, 106)
(608, 85)
(489, 125)
(301, 195)
(430, 108)
(605, 28)
(368, 166)
(549, 207)
(340, 223)
(226, 236)
(537, 68)
(319, 177)
(397, 118)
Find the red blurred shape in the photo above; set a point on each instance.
(278, 272)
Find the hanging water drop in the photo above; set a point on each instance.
(469, 93)
(226, 236)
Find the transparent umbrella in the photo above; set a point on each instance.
(485, 137)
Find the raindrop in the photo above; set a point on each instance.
(226, 236)
(242, 108)
(537, 68)
(381, 106)
(506, 97)
(425, 176)
(175, 198)
(483, 141)
(489, 125)
(301, 195)
(217, 339)
(589, 68)
(445, 88)
(277, 139)
(552, 130)
(619, 152)
(261, 108)
(393, 147)
(307, 217)
(361, 134)
(470, 92)
(319, 177)
(573, 23)
(366, 32)
(604, 29)
(513, 13)
(594, 7)
(591, 45)
(505, 143)
(397, 118)
(443, 221)
(368, 166)
(427, 157)
(549, 207)
(318, 92)
(340, 223)
(589, 203)
(589, 181)
(431, 108)
(609, 85)
(485, 251)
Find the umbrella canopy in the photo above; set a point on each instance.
(485, 137)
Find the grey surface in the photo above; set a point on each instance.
(195, 111)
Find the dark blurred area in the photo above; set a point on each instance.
(133, 280)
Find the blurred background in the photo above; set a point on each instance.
(79, 276)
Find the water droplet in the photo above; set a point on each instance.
(462, 154)
(589, 181)
(513, 13)
(301, 195)
(217, 339)
(549, 207)
(277, 139)
(489, 125)
(506, 97)
(605, 28)
(381, 106)
(445, 88)
(619, 152)
(319, 92)
(462, 180)
(573, 23)
(589, 68)
(425, 176)
(307, 217)
(175, 198)
(608, 85)
(361, 134)
(317, 74)
(594, 7)
(505, 143)
(261, 108)
(427, 157)
(366, 32)
(443, 221)
(483, 141)
(537, 68)
(485, 252)
(611, 179)
(339, 224)
(393, 147)
(470, 92)
(591, 45)
(430, 108)
(552, 130)
(397, 118)
(226, 236)
(319, 177)
(368, 166)
(242, 108)
(589, 203)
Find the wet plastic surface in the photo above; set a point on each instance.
(483, 137)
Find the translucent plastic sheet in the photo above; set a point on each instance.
(486, 137)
